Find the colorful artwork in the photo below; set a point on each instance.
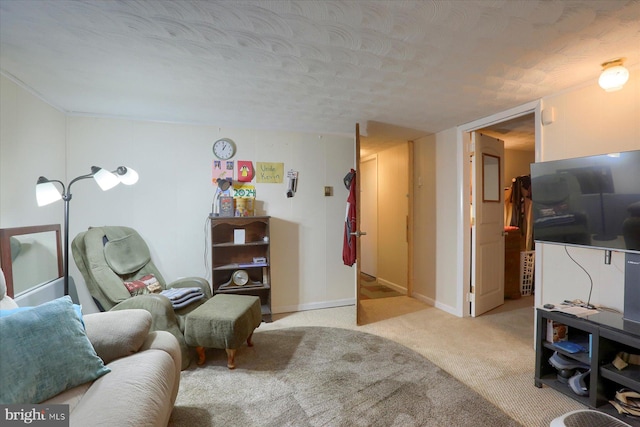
(222, 170)
(245, 171)
(269, 173)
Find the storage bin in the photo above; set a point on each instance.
(527, 260)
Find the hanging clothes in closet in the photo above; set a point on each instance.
(519, 208)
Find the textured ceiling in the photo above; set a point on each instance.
(517, 134)
(318, 66)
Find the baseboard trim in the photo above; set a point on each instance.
(352, 301)
(393, 286)
(436, 304)
(448, 309)
(423, 299)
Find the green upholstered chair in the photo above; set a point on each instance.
(111, 255)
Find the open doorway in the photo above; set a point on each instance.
(384, 205)
(518, 131)
(518, 135)
(384, 170)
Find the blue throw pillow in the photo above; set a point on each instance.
(43, 352)
(10, 311)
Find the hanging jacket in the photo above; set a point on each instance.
(349, 245)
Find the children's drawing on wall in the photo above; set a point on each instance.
(245, 171)
(222, 170)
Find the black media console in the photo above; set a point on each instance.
(604, 335)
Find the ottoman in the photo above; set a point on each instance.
(224, 321)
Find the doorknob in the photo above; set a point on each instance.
(358, 233)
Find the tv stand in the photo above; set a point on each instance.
(604, 334)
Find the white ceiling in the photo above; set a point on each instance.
(317, 66)
(517, 134)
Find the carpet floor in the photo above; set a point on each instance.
(371, 289)
(322, 376)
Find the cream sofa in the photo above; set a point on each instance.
(143, 367)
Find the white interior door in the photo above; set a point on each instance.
(487, 225)
(369, 215)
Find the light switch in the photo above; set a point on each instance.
(328, 191)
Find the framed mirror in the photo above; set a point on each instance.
(30, 256)
(490, 178)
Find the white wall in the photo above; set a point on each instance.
(436, 220)
(517, 163)
(32, 143)
(447, 208)
(393, 208)
(589, 121)
(171, 202)
(424, 219)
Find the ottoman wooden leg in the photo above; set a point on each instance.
(201, 355)
(231, 354)
(249, 343)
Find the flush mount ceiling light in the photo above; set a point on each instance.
(614, 75)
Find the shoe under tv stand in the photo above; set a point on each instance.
(605, 334)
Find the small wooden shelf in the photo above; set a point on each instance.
(227, 256)
(242, 289)
(240, 266)
(231, 244)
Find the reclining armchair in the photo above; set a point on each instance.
(109, 256)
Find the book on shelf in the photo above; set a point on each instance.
(252, 264)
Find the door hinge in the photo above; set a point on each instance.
(470, 297)
(472, 148)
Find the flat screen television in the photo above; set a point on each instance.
(589, 201)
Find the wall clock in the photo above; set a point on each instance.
(224, 149)
(240, 277)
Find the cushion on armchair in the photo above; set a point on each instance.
(116, 334)
(45, 351)
(127, 254)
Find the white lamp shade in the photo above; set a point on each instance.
(105, 179)
(130, 177)
(47, 193)
(613, 78)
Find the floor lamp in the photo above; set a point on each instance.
(47, 193)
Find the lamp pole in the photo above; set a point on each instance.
(66, 197)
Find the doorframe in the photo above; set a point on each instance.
(463, 262)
